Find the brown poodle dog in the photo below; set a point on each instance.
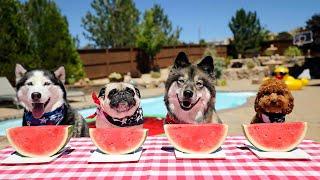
(273, 102)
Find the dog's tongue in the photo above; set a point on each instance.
(38, 109)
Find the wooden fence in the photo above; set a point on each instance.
(99, 63)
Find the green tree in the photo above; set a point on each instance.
(53, 44)
(284, 36)
(202, 42)
(162, 20)
(150, 37)
(247, 32)
(313, 24)
(112, 24)
(15, 43)
(292, 51)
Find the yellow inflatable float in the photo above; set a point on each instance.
(282, 73)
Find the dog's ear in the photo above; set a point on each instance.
(181, 61)
(19, 71)
(207, 66)
(137, 92)
(289, 109)
(257, 107)
(60, 73)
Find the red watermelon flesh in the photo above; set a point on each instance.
(196, 138)
(118, 140)
(39, 141)
(276, 136)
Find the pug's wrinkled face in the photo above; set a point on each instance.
(119, 100)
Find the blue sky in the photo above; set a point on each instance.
(210, 16)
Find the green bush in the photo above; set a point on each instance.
(219, 65)
(222, 82)
(292, 51)
(268, 52)
(115, 77)
(155, 75)
(250, 64)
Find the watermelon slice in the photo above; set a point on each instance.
(118, 140)
(196, 138)
(275, 136)
(39, 141)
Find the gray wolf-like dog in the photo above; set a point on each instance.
(190, 93)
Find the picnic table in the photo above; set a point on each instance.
(159, 164)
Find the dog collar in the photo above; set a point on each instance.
(49, 118)
(135, 119)
(272, 117)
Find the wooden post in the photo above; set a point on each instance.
(130, 58)
(107, 64)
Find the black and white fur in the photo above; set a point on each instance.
(42, 91)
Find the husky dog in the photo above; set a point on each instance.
(190, 93)
(43, 96)
(118, 105)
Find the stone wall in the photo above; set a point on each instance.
(258, 72)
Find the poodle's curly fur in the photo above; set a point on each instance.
(273, 97)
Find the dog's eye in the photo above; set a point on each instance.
(180, 81)
(130, 91)
(47, 84)
(199, 84)
(29, 83)
(112, 92)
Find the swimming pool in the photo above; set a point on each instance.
(155, 107)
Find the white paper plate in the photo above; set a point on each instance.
(294, 154)
(218, 154)
(99, 157)
(16, 158)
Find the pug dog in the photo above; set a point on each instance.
(118, 105)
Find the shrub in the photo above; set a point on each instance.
(222, 82)
(219, 65)
(155, 75)
(292, 51)
(115, 77)
(250, 64)
(268, 52)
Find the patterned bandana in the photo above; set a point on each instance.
(49, 118)
(135, 119)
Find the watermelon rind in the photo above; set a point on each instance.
(268, 149)
(182, 149)
(64, 142)
(137, 146)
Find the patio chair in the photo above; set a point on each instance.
(7, 92)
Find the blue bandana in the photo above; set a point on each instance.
(49, 118)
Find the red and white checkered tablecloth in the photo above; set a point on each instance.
(159, 164)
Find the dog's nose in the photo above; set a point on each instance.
(35, 96)
(187, 93)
